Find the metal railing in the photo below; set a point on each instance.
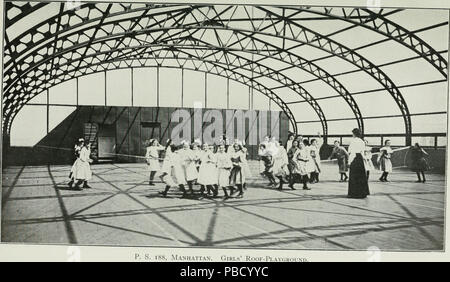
(383, 137)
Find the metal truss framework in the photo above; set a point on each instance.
(231, 41)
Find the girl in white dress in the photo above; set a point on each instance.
(166, 167)
(280, 167)
(82, 172)
(238, 177)
(208, 171)
(247, 171)
(199, 155)
(189, 164)
(224, 167)
(300, 170)
(368, 164)
(315, 166)
(176, 171)
(384, 160)
(198, 152)
(152, 157)
(77, 149)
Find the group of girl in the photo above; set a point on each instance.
(81, 172)
(225, 166)
(213, 168)
(418, 160)
(342, 156)
(299, 162)
(302, 160)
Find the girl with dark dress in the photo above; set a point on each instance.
(358, 187)
(291, 154)
(268, 171)
(419, 162)
(291, 140)
(341, 155)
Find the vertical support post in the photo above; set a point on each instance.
(408, 139)
(182, 88)
(77, 91)
(249, 98)
(382, 140)
(228, 93)
(206, 90)
(253, 97)
(106, 94)
(436, 142)
(157, 86)
(132, 87)
(48, 111)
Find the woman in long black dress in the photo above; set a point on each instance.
(419, 162)
(358, 186)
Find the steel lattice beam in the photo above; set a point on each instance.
(309, 37)
(379, 23)
(276, 22)
(318, 72)
(183, 63)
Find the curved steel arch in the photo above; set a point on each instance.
(312, 38)
(230, 74)
(357, 60)
(231, 60)
(377, 22)
(309, 67)
(243, 63)
(370, 20)
(41, 32)
(332, 82)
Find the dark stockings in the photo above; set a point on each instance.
(152, 176)
(271, 178)
(281, 182)
(191, 187)
(305, 182)
(183, 189)
(384, 176)
(423, 179)
(314, 177)
(240, 189)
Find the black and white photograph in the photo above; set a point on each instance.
(224, 126)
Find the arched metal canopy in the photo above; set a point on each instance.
(230, 41)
